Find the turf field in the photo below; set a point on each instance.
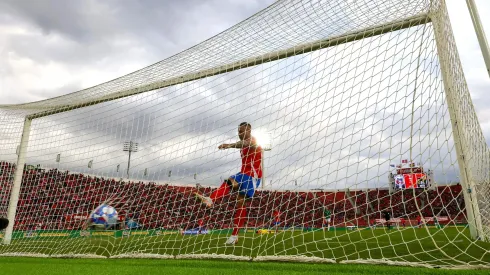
(440, 247)
(27, 266)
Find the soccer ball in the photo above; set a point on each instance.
(104, 214)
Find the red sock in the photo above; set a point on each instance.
(239, 221)
(223, 190)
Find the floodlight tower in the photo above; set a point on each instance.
(130, 146)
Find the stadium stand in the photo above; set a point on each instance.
(61, 200)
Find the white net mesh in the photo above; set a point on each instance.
(362, 103)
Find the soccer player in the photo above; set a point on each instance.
(245, 182)
(419, 221)
(436, 222)
(200, 222)
(326, 218)
(402, 220)
(277, 219)
(387, 216)
(373, 224)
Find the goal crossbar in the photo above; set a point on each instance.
(420, 19)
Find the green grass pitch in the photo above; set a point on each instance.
(439, 247)
(27, 266)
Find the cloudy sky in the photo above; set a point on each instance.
(52, 48)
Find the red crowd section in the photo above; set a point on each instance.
(61, 200)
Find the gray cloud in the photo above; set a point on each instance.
(112, 38)
(93, 29)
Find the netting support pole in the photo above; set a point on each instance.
(480, 34)
(455, 90)
(469, 191)
(19, 171)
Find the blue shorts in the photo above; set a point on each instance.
(246, 184)
(277, 223)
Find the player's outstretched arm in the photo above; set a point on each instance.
(238, 145)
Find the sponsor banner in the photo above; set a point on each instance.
(89, 233)
(195, 232)
(103, 233)
(45, 234)
(145, 233)
(30, 235)
(54, 234)
(426, 219)
(140, 233)
(169, 232)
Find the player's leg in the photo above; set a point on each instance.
(238, 220)
(275, 225)
(223, 190)
(325, 224)
(246, 189)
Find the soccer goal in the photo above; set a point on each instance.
(320, 131)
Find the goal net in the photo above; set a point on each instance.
(367, 148)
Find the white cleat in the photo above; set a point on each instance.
(232, 240)
(205, 200)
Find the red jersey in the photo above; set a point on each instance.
(419, 219)
(277, 215)
(252, 161)
(200, 222)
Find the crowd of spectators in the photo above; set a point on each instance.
(55, 200)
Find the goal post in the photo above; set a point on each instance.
(14, 195)
(372, 126)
